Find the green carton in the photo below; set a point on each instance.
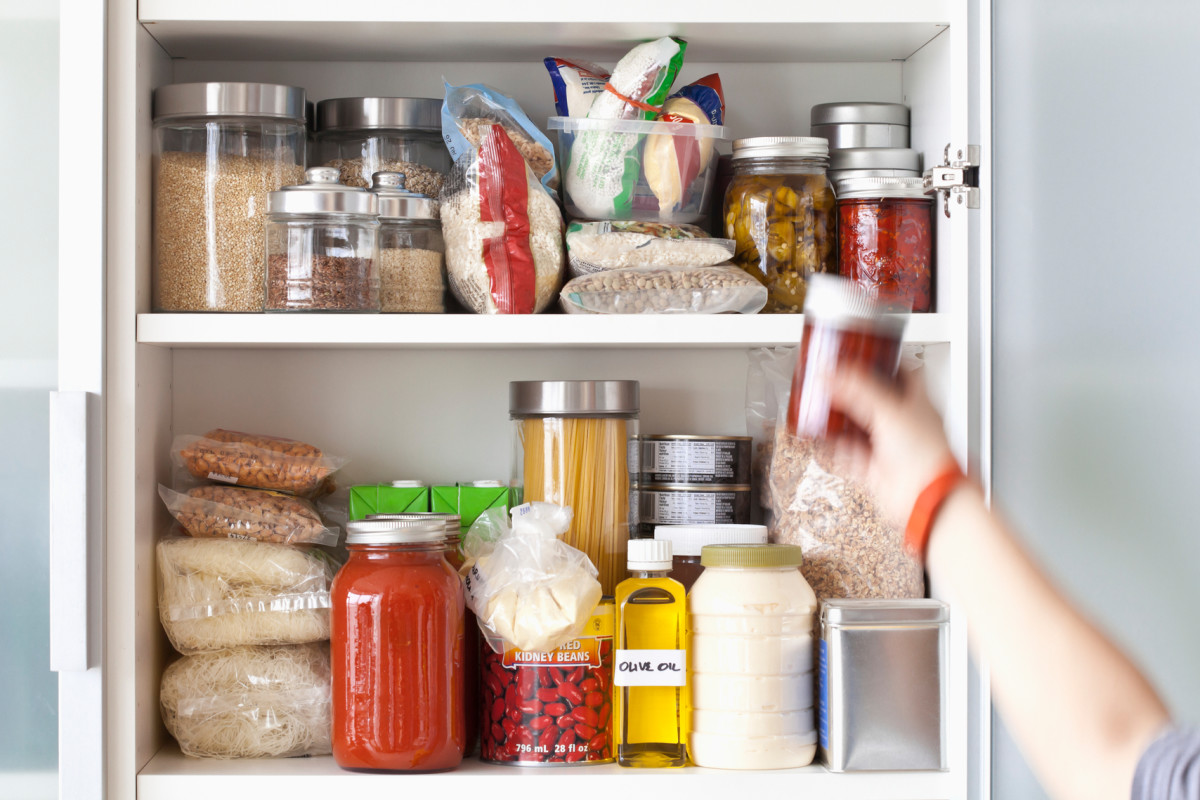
(387, 499)
(469, 501)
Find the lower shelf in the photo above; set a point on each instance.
(172, 776)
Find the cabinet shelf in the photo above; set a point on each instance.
(172, 776)
(380, 30)
(434, 331)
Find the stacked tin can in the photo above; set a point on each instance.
(692, 480)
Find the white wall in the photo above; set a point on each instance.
(1097, 283)
(28, 354)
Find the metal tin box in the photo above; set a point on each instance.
(883, 684)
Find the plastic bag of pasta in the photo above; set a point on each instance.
(231, 512)
(250, 702)
(257, 461)
(220, 593)
(525, 584)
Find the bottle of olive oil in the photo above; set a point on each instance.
(650, 669)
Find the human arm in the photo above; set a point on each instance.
(1081, 711)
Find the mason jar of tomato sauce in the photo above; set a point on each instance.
(397, 648)
(843, 325)
(885, 239)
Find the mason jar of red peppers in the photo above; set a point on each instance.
(843, 325)
(396, 644)
(885, 240)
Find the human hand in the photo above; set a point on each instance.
(906, 444)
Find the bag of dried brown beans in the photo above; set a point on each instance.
(257, 462)
(231, 512)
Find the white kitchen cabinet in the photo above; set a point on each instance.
(427, 396)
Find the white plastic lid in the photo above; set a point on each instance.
(487, 484)
(649, 555)
(409, 484)
(686, 540)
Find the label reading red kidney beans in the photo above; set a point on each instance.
(551, 708)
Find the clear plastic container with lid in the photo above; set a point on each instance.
(572, 446)
(412, 264)
(751, 659)
(363, 135)
(779, 210)
(687, 541)
(321, 246)
(885, 240)
(219, 149)
(396, 643)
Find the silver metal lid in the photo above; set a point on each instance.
(881, 187)
(585, 398)
(395, 531)
(884, 612)
(859, 113)
(216, 99)
(453, 522)
(396, 202)
(863, 158)
(834, 299)
(322, 194)
(781, 147)
(394, 113)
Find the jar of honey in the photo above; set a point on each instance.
(779, 210)
(397, 648)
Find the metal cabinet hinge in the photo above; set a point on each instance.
(956, 178)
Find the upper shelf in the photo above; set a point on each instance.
(431, 331)
(386, 30)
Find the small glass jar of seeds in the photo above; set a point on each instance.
(219, 149)
(412, 267)
(322, 246)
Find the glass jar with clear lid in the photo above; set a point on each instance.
(322, 246)
(412, 265)
(219, 149)
(364, 135)
(572, 446)
(779, 210)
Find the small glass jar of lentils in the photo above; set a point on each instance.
(780, 212)
(412, 267)
(219, 149)
(322, 246)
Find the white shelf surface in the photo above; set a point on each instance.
(433, 331)
(371, 30)
(172, 776)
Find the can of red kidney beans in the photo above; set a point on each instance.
(552, 708)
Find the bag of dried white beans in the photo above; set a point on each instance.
(720, 289)
(596, 246)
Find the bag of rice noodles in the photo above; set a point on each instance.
(219, 593)
(604, 166)
(250, 702)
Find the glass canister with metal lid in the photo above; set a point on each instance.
(885, 240)
(364, 135)
(321, 246)
(412, 266)
(779, 209)
(219, 149)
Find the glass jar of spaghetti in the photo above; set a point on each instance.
(842, 325)
(885, 240)
(779, 210)
(397, 650)
(573, 442)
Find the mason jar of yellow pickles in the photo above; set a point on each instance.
(780, 211)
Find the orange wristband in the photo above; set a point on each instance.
(920, 521)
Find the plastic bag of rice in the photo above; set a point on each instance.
(596, 246)
(220, 593)
(250, 702)
(503, 231)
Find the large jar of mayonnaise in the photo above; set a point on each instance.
(750, 614)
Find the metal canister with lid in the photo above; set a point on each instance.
(364, 135)
(861, 124)
(883, 668)
(873, 162)
(321, 246)
(885, 240)
(412, 266)
(779, 210)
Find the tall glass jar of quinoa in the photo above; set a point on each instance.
(780, 211)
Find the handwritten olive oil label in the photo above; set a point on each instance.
(650, 668)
